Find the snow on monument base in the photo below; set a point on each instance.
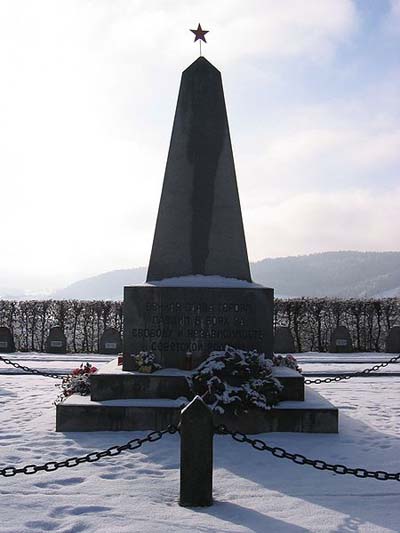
(131, 401)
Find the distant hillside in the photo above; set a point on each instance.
(341, 274)
(108, 286)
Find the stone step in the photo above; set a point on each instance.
(80, 413)
(112, 383)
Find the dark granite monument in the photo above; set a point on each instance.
(283, 341)
(56, 341)
(6, 340)
(110, 342)
(199, 242)
(393, 340)
(198, 297)
(340, 341)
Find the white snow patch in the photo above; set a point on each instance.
(203, 281)
(138, 491)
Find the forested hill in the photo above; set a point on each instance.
(341, 274)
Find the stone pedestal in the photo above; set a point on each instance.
(171, 321)
(124, 401)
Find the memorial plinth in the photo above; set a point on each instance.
(172, 321)
(129, 401)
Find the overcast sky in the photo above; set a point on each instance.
(87, 97)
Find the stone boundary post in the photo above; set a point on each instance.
(197, 432)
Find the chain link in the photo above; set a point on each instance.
(29, 370)
(364, 372)
(317, 381)
(302, 460)
(91, 457)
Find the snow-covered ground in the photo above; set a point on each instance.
(253, 491)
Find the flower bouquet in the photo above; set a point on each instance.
(77, 382)
(145, 362)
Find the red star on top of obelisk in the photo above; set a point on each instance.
(199, 34)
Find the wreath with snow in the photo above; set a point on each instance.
(234, 381)
(145, 362)
(77, 382)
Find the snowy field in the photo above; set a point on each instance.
(138, 491)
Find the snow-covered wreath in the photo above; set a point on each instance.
(234, 381)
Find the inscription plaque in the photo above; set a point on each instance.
(3, 344)
(171, 321)
(110, 345)
(56, 344)
(341, 342)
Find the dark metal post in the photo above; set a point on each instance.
(197, 433)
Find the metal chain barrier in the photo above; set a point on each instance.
(316, 381)
(299, 459)
(29, 370)
(364, 372)
(92, 457)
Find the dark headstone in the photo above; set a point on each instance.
(7, 344)
(196, 432)
(340, 341)
(199, 226)
(110, 342)
(171, 321)
(56, 341)
(393, 340)
(283, 341)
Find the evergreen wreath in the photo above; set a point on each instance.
(234, 381)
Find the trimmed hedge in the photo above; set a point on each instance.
(310, 319)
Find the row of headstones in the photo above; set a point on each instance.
(340, 341)
(56, 342)
(111, 342)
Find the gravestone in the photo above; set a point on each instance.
(340, 341)
(56, 341)
(393, 340)
(110, 342)
(199, 295)
(7, 344)
(283, 340)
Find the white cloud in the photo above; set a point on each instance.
(318, 222)
(86, 110)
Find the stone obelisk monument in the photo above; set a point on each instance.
(199, 295)
(199, 226)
